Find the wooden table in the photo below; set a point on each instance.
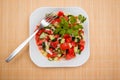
(104, 62)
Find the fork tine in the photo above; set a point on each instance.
(51, 19)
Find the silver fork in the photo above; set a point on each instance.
(44, 22)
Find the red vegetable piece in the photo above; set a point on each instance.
(60, 13)
(48, 31)
(81, 47)
(64, 46)
(73, 43)
(40, 41)
(82, 42)
(54, 44)
(70, 54)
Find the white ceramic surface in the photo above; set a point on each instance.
(35, 54)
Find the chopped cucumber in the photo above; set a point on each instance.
(62, 40)
(59, 55)
(47, 45)
(50, 59)
(79, 52)
(70, 45)
(43, 35)
(77, 39)
(45, 53)
(76, 49)
(56, 58)
(51, 37)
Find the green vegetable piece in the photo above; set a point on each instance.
(64, 23)
(72, 19)
(75, 33)
(76, 27)
(43, 46)
(62, 32)
(81, 18)
(79, 52)
(69, 31)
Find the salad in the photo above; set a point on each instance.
(63, 38)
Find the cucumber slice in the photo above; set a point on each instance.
(51, 37)
(59, 55)
(76, 49)
(56, 58)
(50, 59)
(62, 41)
(43, 35)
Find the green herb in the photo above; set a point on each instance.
(81, 18)
(64, 23)
(75, 33)
(76, 27)
(72, 19)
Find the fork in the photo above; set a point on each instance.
(44, 22)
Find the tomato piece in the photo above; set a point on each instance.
(66, 18)
(40, 47)
(60, 13)
(40, 32)
(64, 46)
(57, 36)
(56, 20)
(70, 54)
(54, 44)
(81, 32)
(52, 55)
(73, 43)
(48, 31)
(47, 38)
(82, 42)
(81, 48)
(36, 38)
(66, 36)
(40, 41)
(68, 39)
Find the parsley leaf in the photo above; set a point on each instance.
(72, 19)
(81, 18)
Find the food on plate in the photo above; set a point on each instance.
(63, 38)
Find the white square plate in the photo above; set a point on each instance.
(42, 61)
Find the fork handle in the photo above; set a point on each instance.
(15, 52)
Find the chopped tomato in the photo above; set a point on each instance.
(70, 54)
(81, 47)
(40, 32)
(56, 20)
(60, 13)
(66, 18)
(82, 42)
(54, 44)
(81, 32)
(47, 38)
(73, 43)
(40, 41)
(66, 36)
(68, 39)
(40, 47)
(48, 31)
(37, 38)
(52, 55)
(64, 46)
(57, 36)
